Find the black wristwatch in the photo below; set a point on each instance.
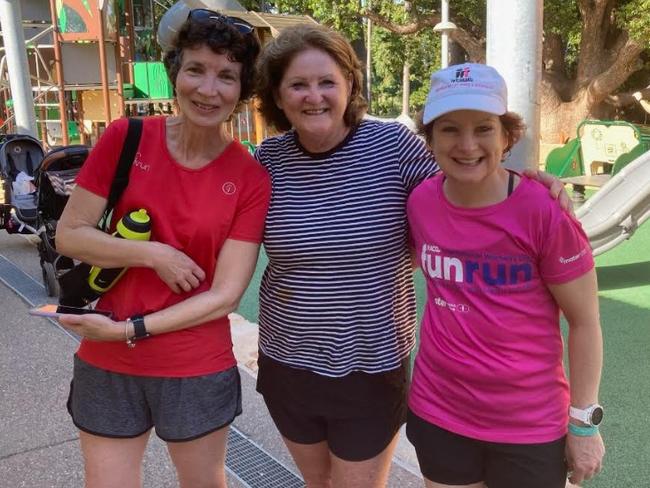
(139, 329)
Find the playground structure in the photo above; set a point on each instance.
(614, 158)
(619, 208)
(600, 150)
(79, 88)
(102, 62)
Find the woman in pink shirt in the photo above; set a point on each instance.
(490, 404)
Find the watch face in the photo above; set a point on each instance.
(596, 416)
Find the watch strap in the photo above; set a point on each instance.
(579, 414)
(139, 329)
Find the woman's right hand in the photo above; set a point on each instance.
(176, 269)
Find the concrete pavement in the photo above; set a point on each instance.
(38, 442)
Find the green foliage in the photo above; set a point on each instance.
(469, 15)
(562, 17)
(628, 17)
(389, 52)
(422, 50)
(339, 14)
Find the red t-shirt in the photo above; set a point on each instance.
(193, 210)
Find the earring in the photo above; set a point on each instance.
(505, 155)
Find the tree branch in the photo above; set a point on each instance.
(627, 62)
(474, 46)
(592, 41)
(553, 55)
(622, 100)
(405, 29)
(611, 55)
(554, 66)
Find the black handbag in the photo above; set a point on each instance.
(74, 288)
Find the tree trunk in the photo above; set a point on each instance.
(560, 119)
(406, 88)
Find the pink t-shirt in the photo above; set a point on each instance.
(489, 365)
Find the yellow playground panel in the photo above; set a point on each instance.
(601, 149)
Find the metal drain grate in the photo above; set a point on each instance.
(254, 467)
(20, 282)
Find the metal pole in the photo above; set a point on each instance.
(21, 88)
(406, 88)
(58, 67)
(248, 123)
(80, 113)
(43, 114)
(103, 70)
(119, 78)
(444, 37)
(43, 97)
(369, 62)
(258, 123)
(3, 107)
(130, 37)
(520, 63)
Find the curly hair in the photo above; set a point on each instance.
(513, 125)
(278, 54)
(221, 38)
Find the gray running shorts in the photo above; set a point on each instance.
(181, 409)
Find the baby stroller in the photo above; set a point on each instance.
(20, 158)
(54, 182)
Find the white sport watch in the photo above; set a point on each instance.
(591, 416)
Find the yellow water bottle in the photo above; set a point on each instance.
(135, 225)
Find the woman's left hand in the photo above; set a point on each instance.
(93, 326)
(554, 185)
(584, 456)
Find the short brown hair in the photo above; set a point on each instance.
(278, 54)
(221, 38)
(513, 124)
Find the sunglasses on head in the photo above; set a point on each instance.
(205, 15)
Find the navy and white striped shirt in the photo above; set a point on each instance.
(337, 295)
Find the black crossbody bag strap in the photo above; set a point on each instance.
(129, 149)
(121, 179)
(75, 290)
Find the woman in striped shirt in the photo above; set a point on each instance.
(337, 304)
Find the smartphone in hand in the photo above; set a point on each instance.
(54, 310)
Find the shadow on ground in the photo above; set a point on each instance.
(623, 276)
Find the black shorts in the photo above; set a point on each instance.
(118, 405)
(452, 459)
(358, 414)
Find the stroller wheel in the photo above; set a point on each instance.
(49, 279)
